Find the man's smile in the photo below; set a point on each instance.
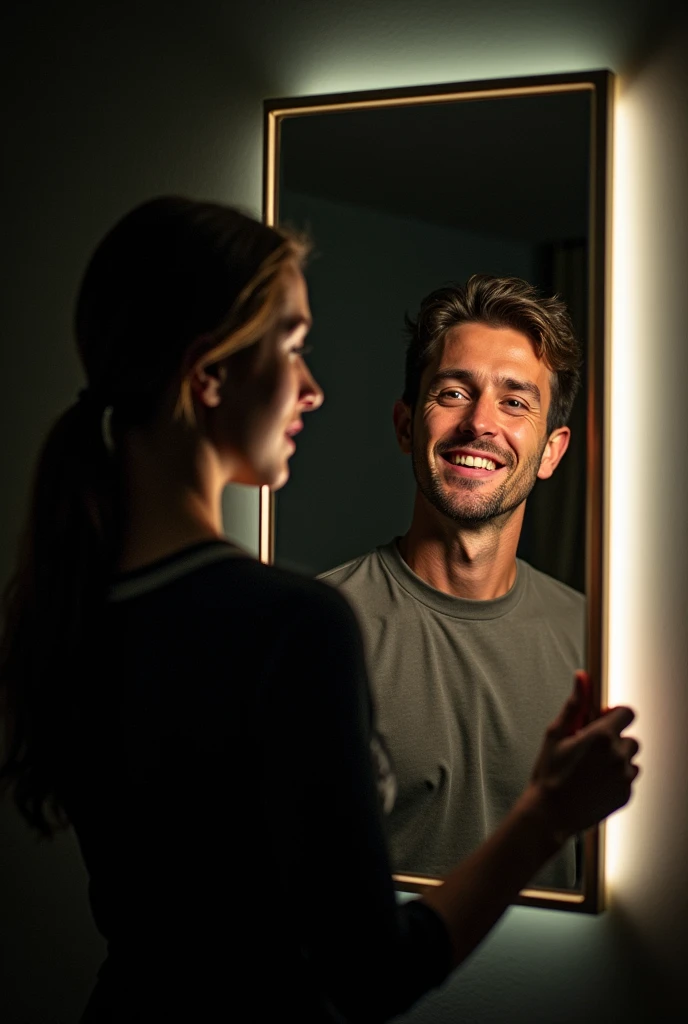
(472, 463)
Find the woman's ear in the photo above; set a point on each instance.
(205, 378)
(206, 383)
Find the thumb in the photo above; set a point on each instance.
(576, 711)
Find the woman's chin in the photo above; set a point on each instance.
(272, 476)
(279, 477)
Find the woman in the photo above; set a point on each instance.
(204, 721)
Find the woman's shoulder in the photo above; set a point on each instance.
(224, 578)
(271, 587)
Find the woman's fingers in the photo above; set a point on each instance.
(617, 719)
(575, 712)
(630, 746)
(583, 701)
(588, 772)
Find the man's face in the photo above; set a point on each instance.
(484, 396)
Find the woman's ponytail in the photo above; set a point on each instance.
(65, 558)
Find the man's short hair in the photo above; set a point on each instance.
(499, 302)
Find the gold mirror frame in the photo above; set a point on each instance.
(591, 899)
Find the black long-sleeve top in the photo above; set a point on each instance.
(221, 787)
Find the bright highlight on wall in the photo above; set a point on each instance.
(648, 648)
(622, 369)
(648, 538)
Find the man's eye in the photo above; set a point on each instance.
(302, 350)
(452, 395)
(515, 403)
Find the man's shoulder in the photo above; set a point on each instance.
(552, 592)
(364, 579)
(360, 567)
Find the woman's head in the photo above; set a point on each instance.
(178, 288)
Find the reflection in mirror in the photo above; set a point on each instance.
(468, 580)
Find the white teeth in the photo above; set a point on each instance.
(473, 460)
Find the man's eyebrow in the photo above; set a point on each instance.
(524, 386)
(507, 383)
(451, 373)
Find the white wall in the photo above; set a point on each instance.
(104, 105)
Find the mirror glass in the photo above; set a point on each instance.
(402, 195)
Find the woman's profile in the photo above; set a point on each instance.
(201, 720)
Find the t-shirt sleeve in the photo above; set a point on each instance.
(372, 957)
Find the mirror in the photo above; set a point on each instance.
(403, 192)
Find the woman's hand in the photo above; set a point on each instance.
(584, 772)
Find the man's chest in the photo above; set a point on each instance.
(464, 696)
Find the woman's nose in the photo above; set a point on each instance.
(311, 395)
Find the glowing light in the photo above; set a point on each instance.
(644, 337)
(622, 370)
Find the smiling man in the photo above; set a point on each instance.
(471, 651)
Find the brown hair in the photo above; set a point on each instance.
(499, 302)
(170, 272)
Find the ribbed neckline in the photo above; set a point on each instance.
(446, 604)
(172, 567)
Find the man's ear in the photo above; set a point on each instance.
(557, 443)
(403, 425)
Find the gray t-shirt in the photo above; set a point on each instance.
(464, 690)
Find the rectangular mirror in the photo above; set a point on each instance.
(403, 192)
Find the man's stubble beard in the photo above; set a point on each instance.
(456, 507)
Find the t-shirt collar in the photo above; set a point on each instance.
(447, 604)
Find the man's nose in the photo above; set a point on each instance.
(479, 417)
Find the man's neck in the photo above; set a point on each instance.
(475, 562)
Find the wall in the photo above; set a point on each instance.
(104, 105)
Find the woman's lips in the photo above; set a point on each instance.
(295, 428)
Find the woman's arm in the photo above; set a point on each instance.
(372, 958)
